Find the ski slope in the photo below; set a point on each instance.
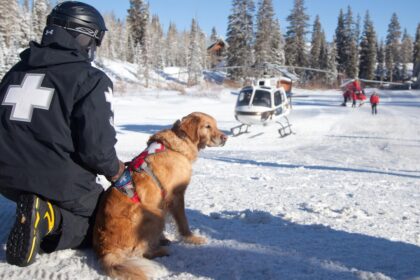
(337, 200)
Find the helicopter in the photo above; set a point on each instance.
(263, 101)
(268, 99)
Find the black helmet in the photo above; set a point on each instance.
(78, 17)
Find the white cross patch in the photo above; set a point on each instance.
(109, 97)
(28, 96)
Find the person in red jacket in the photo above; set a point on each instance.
(356, 86)
(354, 98)
(374, 101)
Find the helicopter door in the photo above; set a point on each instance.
(278, 100)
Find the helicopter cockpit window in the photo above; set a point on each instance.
(262, 98)
(244, 97)
(277, 98)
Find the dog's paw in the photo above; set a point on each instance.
(160, 252)
(164, 241)
(195, 239)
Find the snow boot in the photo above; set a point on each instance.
(35, 219)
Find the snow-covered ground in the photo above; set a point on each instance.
(337, 200)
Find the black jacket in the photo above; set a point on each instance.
(56, 147)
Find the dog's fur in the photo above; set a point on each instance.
(125, 232)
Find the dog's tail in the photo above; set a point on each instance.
(120, 266)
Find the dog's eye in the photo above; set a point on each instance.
(208, 126)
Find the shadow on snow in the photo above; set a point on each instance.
(309, 167)
(258, 245)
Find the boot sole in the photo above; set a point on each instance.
(23, 242)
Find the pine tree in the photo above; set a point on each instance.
(392, 47)
(262, 47)
(316, 44)
(182, 53)
(351, 49)
(277, 45)
(323, 54)
(3, 55)
(380, 68)
(171, 45)
(416, 53)
(240, 37)
(137, 21)
(295, 36)
(39, 18)
(10, 22)
(25, 25)
(157, 44)
(357, 29)
(406, 54)
(368, 50)
(347, 49)
(331, 76)
(194, 62)
(340, 36)
(145, 53)
(214, 36)
(13, 54)
(202, 41)
(108, 47)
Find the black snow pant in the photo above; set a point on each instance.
(77, 218)
(374, 109)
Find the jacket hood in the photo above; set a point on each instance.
(57, 47)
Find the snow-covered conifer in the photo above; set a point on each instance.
(406, 53)
(295, 48)
(331, 77)
(380, 66)
(277, 44)
(171, 45)
(137, 22)
(316, 44)
(240, 37)
(367, 64)
(40, 10)
(263, 35)
(416, 53)
(214, 36)
(392, 46)
(194, 57)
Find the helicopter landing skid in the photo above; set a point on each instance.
(237, 130)
(285, 129)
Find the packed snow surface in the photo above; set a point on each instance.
(339, 199)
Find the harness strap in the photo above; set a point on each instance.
(145, 167)
(125, 183)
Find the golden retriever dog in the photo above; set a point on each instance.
(127, 231)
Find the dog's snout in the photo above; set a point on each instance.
(223, 137)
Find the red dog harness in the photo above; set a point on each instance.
(125, 183)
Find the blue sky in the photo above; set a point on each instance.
(215, 12)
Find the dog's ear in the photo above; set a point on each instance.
(188, 127)
(176, 127)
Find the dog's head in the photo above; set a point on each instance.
(201, 129)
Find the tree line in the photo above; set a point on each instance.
(253, 37)
(354, 51)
